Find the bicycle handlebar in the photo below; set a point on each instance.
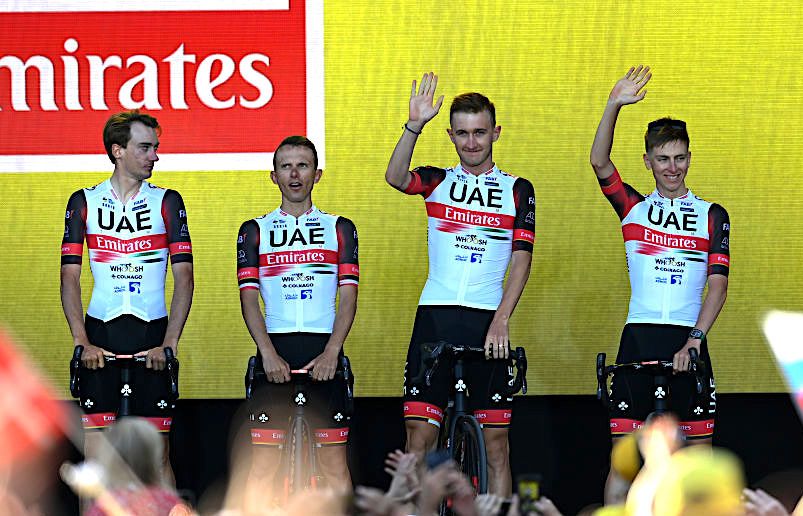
(76, 366)
(655, 367)
(343, 371)
(434, 351)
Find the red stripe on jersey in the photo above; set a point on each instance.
(415, 186)
(297, 257)
(474, 218)
(72, 249)
(697, 428)
(181, 247)
(494, 417)
(523, 234)
(651, 236)
(267, 436)
(99, 420)
(248, 273)
(719, 259)
(162, 424)
(127, 246)
(331, 435)
(616, 184)
(348, 269)
(420, 409)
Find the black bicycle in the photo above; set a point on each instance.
(124, 363)
(461, 434)
(299, 464)
(661, 370)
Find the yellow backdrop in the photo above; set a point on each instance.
(733, 73)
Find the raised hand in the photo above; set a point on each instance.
(630, 88)
(422, 109)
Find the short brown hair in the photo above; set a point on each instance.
(297, 141)
(472, 103)
(665, 130)
(118, 129)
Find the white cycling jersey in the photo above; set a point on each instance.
(475, 223)
(297, 264)
(672, 246)
(128, 247)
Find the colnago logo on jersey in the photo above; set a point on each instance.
(198, 78)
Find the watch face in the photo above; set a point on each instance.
(696, 334)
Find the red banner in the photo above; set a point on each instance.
(226, 83)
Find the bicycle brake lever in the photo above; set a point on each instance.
(249, 377)
(75, 366)
(172, 371)
(694, 367)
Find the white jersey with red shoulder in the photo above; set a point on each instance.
(298, 264)
(672, 246)
(128, 247)
(475, 224)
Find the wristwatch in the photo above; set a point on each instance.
(696, 333)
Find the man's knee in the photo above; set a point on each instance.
(497, 447)
(332, 461)
(421, 436)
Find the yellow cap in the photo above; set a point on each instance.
(700, 481)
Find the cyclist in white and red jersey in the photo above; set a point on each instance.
(481, 220)
(299, 259)
(130, 227)
(676, 244)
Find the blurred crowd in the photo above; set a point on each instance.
(653, 472)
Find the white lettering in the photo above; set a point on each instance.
(205, 84)
(177, 60)
(213, 71)
(71, 76)
(149, 77)
(669, 240)
(472, 218)
(296, 257)
(256, 79)
(97, 79)
(19, 86)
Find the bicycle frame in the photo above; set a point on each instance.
(299, 430)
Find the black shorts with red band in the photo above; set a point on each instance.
(489, 381)
(148, 391)
(272, 404)
(633, 393)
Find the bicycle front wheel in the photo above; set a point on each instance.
(467, 448)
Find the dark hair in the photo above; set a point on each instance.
(472, 103)
(665, 130)
(297, 141)
(118, 129)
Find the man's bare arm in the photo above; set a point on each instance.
(628, 90)
(276, 368)
(324, 365)
(422, 111)
(498, 336)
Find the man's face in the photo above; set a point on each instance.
(473, 136)
(295, 172)
(669, 164)
(137, 158)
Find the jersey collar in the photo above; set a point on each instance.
(307, 213)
